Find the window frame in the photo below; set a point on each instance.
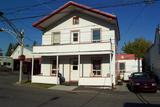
(122, 70)
(75, 20)
(99, 70)
(73, 64)
(53, 70)
(52, 38)
(72, 36)
(75, 37)
(100, 32)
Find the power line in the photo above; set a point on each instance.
(27, 17)
(27, 8)
(134, 20)
(98, 7)
(21, 8)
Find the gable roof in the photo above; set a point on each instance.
(125, 56)
(67, 8)
(26, 51)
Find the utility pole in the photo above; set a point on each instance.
(21, 55)
(20, 39)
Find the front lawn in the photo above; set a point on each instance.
(37, 85)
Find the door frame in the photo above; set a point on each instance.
(70, 73)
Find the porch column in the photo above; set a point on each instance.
(79, 62)
(110, 55)
(57, 69)
(110, 63)
(32, 67)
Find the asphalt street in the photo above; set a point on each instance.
(12, 95)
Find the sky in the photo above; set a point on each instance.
(134, 20)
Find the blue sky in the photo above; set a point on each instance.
(134, 20)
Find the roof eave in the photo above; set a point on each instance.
(37, 24)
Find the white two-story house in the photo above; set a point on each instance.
(79, 43)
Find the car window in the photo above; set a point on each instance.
(140, 75)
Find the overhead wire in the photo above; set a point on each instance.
(97, 7)
(135, 19)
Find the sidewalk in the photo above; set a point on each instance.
(91, 89)
(122, 87)
(63, 88)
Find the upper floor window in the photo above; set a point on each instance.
(56, 38)
(75, 37)
(75, 20)
(96, 33)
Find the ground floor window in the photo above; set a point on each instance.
(75, 64)
(96, 67)
(54, 67)
(122, 70)
(122, 67)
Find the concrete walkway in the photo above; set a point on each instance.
(122, 87)
(63, 88)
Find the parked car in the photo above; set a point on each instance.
(140, 81)
(5, 69)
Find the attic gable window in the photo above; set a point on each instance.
(75, 20)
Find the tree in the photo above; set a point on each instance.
(10, 49)
(27, 45)
(1, 53)
(35, 43)
(138, 47)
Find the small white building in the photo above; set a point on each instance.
(127, 64)
(27, 64)
(152, 56)
(79, 43)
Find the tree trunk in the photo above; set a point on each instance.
(138, 64)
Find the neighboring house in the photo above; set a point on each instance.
(79, 43)
(152, 56)
(27, 52)
(6, 61)
(127, 64)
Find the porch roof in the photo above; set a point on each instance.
(74, 53)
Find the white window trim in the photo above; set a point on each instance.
(95, 41)
(52, 41)
(93, 75)
(72, 36)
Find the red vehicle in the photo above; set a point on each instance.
(139, 81)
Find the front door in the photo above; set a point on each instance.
(74, 70)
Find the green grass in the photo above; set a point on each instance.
(70, 83)
(37, 85)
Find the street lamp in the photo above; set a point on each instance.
(20, 39)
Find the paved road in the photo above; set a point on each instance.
(20, 96)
